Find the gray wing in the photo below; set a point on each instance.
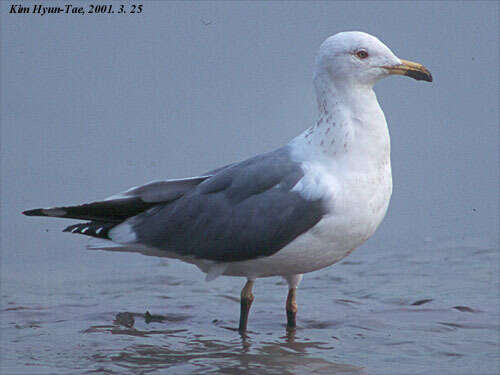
(246, 210)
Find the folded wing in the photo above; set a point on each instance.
(245, 211)
(242, 211)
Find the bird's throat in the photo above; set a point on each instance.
(350, 125)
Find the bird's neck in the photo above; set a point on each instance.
(350, 125)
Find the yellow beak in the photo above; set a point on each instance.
(411, 69)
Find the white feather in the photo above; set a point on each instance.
(123, 233)
(215, 270)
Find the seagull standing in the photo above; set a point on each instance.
(297, 209)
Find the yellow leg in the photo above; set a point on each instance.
(246, 302)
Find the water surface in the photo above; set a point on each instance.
(431, 309)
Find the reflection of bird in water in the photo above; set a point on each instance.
(291, 211)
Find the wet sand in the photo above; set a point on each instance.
(427, 309)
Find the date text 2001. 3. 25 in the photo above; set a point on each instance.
(42, 9)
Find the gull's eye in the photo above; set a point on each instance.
(362, 54)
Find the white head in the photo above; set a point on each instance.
(357, 58)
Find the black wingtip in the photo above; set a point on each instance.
(35, 212)
(70, 228)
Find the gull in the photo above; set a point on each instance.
(294, 210)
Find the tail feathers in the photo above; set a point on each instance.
(100, 244)
(93, 229)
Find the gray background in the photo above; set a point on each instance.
(92, 105)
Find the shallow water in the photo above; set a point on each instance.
(433, 308)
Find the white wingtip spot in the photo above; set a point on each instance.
(84, 230)
(99, 230)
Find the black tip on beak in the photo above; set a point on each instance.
(419, 75)
(411, 69)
